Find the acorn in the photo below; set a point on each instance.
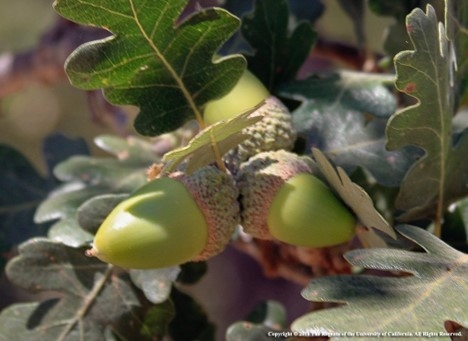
(275, 131)
(170, 220)
(246, 94)
(283, 200)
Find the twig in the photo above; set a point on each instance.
(297, 264)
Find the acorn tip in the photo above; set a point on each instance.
(91, 252)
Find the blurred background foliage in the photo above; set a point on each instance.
(36, 109)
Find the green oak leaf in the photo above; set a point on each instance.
(345, 115)
(85, 177)
(226, 133)
(278, 54)
(90, 300)
(22, 188)
(92, 212)
(441, 175)
(92, 297)
(129, 150)
(435, 291)
(69, 232)
(155, 60)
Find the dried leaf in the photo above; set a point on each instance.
(353, 195)
(226, 133)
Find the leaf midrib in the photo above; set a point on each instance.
(169, 68)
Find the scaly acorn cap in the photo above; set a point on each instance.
(274, 132)
(258, 181)
(216, 194)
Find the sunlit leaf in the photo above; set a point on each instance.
(441, 175)
(433, 293)
(156, 60)
(68, 232)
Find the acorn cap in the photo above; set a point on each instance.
(274, 132)
(215, 193)
(259, 180)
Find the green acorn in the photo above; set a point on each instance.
(283, 200)
(275, 131)
(246, 94)
(170, 221)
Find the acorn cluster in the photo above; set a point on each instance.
(269, 191)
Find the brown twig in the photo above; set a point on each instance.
(297, 264)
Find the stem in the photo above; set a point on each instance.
(169, 68)
(438, 218)
(89, 300)
(215, 148)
